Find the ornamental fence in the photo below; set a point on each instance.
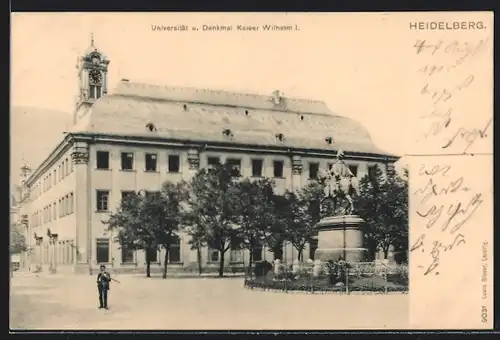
(340, 277)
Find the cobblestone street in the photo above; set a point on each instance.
(70, 302)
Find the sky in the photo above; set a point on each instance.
(332, 58)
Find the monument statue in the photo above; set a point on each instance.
(340, 230)
(340, 185)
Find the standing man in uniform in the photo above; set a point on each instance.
(103, 280)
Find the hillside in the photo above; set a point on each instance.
(34, 133)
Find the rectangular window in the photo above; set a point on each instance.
(278, 169)
(152, 255)
(313, 170)
(236, 255)
(127, 255)
(152, 194)
(102, 250)
(371, 172)
(127, 161)
(126, 193)
(92, 94)
(55, 210)
(213, 161)
(67, 167)
(174, 163)
(354, 170)
(70, 167)
(54, 176)
(60, 208)
(66, 207)
(49, 212)
(174, 255)
(257, 167)
(235, 163)
(151, 162)
(71, 203)
(95, 92)
(59, 177)
(213, 255)
(257, 253)
(313, 245)
(102, 160)
(102, 200)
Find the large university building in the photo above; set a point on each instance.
(142, 135)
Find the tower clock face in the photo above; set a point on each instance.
(95, 77)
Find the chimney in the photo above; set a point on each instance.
(276, 97)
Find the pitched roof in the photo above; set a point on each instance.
(220, 116)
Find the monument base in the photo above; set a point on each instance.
(350, 255)
(341, 236)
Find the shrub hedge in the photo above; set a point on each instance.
(308, 284)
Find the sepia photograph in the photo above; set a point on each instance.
(239, 171)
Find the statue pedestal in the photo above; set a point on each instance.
(340, 236)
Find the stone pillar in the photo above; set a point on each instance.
(40, 248)
(56, 255)
(105, 82)
(296, 172)
(80, 157)
(193, 158)
(51, 255)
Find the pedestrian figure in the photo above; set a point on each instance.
(103, 280)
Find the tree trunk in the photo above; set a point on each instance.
(148, 262)
(165, 263)
(278, 253)
(300, 255)
(250, 261)
(386, 252)
(198, 254)
(221, 264)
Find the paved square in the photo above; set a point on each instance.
(70, 302)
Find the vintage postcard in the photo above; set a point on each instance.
(244, 171)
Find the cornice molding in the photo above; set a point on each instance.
(233, 147)
(54, 156)
(93, 138)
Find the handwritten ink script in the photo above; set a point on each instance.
(444, 206)
(449, 120)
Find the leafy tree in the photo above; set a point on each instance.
(195, 230)
(17, 241)
(256, 211)
(383, 204)
(302, 214)
(165, 211)
(133, 225)
(214, 200)
(276, 232)
(397, 201)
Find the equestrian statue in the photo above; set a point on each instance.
(340, 185)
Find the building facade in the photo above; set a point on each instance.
(142, 135)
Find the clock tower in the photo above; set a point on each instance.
(92, 79)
